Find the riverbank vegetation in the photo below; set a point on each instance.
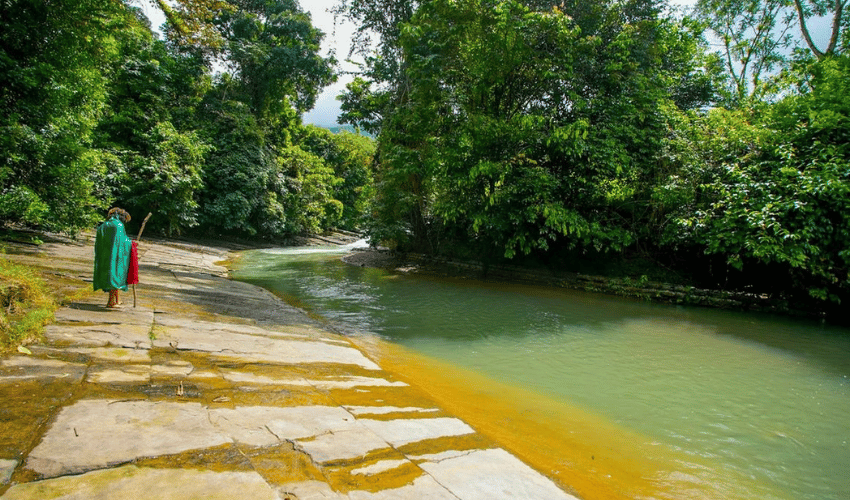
(590, 135)
(708, 147)
(25, 304)
(201, 128)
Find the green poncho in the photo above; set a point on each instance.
(111, 255)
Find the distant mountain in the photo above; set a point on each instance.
(346, 128)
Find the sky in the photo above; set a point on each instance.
(337, 39)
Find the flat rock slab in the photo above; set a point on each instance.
(382, 410)
(113, 354)
(422, 488)
(346, 382)
(131, 336)
(246, 346)
(493, 473)
(201, 257)
(182, 323)
(368, 435)
(380, 466)
(126, 374)
(90, 313)
(404, 431)
(142, 483)
(244, 378)
(342, 445)
(267, 425)
(95, 325)
(94, 434)
(18, 368)
(295, 352)
(7, 467)
(174, 369)
(351, 382)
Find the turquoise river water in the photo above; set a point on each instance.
(751, 406)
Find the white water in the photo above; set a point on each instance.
(318, 250)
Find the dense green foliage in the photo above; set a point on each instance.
(350, 156)
(97, 111)
(519, 129)
(53, 86)
(565, 132)
(606, 131)
(775, 195)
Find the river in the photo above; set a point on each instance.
(612, 398)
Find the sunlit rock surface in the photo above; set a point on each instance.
(200, 387)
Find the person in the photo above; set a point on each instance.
(112, 248)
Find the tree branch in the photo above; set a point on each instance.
(836, 25)
(172, 17)
(805, 30)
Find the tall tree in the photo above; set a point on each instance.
(272, 49)
(192, 22)
(820, 8)
(383, 82)
(274, 71)
(522, 128)
(239, 169)
(55, 58)
(756, 38)
(350, 156)
(759, 36)
(154, 164)
(770, 194)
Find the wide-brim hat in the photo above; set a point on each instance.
(122, 214)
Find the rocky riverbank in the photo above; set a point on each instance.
(202, 387)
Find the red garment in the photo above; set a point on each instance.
(133, 270)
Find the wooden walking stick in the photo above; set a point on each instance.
(139, 237)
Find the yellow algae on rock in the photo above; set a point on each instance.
(148, 483)
(581, 452)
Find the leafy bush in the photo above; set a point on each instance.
(774, 190)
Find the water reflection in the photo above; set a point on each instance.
(748, 406)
